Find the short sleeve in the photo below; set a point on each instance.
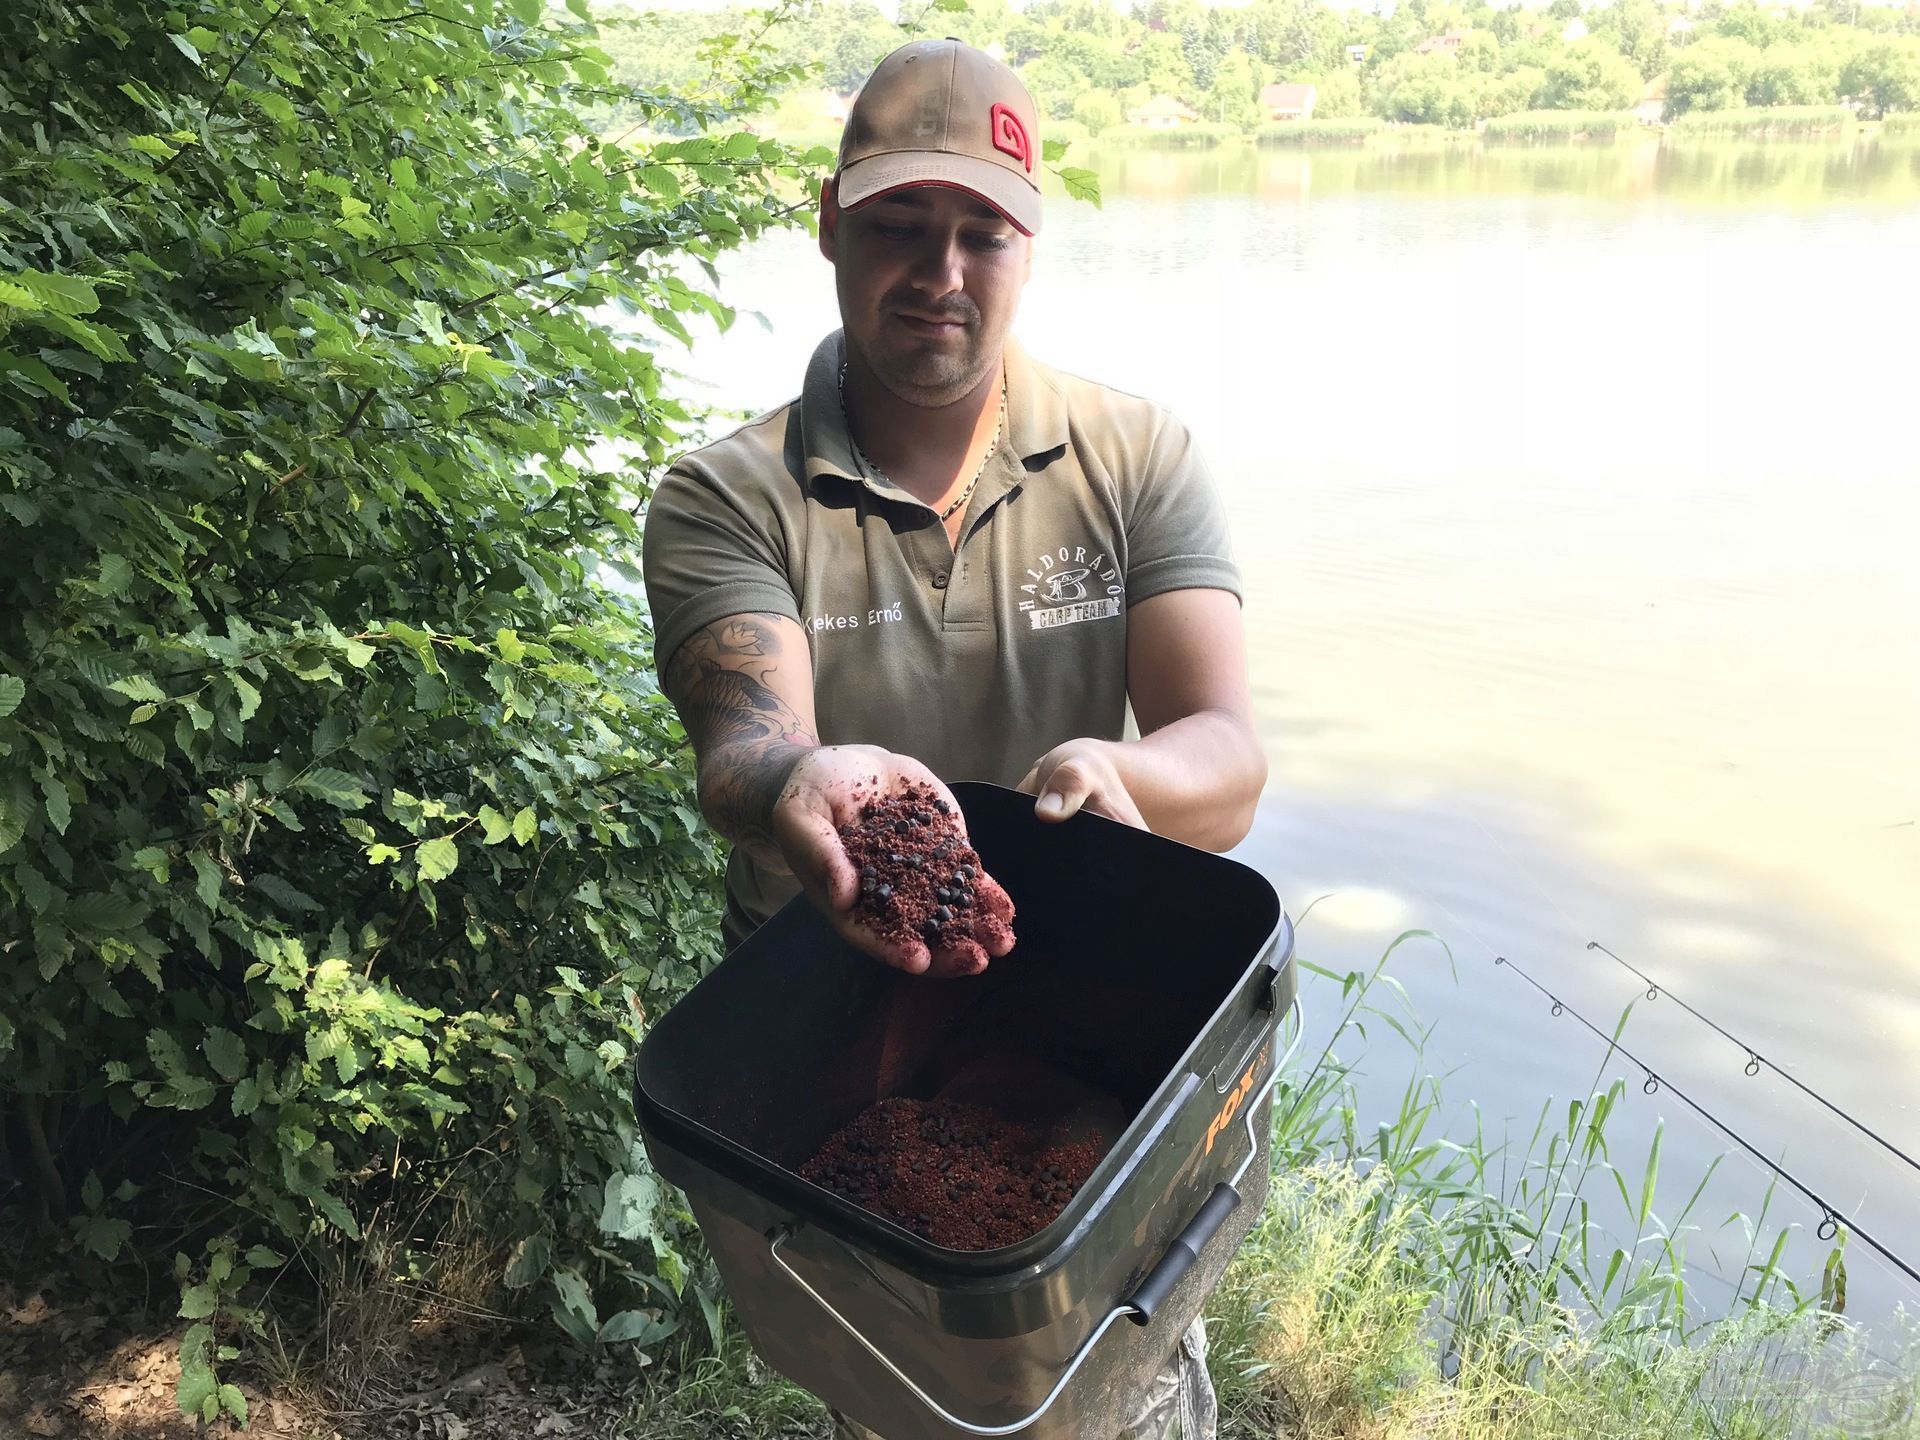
(1176, 525)
(706, 555)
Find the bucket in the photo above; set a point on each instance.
(1141, 1002)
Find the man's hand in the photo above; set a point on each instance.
(1081, 775)
(823, 794)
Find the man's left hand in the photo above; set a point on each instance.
(1081, 775)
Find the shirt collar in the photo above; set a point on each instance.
(1036, 416)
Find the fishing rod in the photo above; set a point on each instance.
(1755, 1060)
(1831, 1216)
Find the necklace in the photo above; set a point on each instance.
(866, 465)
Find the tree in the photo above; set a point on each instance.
(1710, 74)
(1164, 67)
(344, 836)
(1233, 100)
(1885, 76)
(1097, 110)
(1590, 75)
(1054, 85)
(1638, 30)
(1511, 93)
(1336, 94)
(1480, 53)
(1794, 75)
(1423, 90)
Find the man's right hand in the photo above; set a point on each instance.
(824, 794)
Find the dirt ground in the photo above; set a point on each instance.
(83, 1366)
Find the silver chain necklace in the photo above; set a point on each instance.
(866, 465)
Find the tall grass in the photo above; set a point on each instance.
(1203, 135)
(1561, 125)
(1902, 122)
(1404, 1284)
(1778, 121)
(1320, 132)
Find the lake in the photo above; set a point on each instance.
(1577, 495)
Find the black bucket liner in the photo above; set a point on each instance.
(1140, 1002)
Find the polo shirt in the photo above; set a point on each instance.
(975, 658)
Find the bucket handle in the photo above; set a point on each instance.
(1139, 1307)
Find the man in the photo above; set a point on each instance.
(945, 561)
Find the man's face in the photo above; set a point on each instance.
(929, 280)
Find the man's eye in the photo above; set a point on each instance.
(988, 242)
(893, 232)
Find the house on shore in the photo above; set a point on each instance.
(1163, 112)
(1288, 102)
(1448, 43)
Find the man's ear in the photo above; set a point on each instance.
(829, 218)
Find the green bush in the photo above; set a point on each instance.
(1319, 132)
(1563, 125)
(345, 840)
(1777, 120)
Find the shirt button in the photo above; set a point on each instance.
(940, 580)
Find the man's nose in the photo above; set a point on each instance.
(937, 268)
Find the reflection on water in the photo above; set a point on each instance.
(1575, 493)
(1707, 171)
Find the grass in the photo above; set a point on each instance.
(1320, 132)
(1561, 125)
(1904, 122)
(1778, 121)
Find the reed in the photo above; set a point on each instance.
(1788, 122)
(1533, 126)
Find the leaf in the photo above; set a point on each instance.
(1081, 184)
(283, 894)
(261, 1258)
(573, 1306)
(512, 649)
(139, 687)
(495, 825)
(197, 1302)
(381, 854)
(437, 858)
(226, 1052)
(333, 732)
(63, 294)
(336, 787)
(529, 1261)
(643, 1326)
(59, 802)
(234, 1403)
(525, 826)
(245, 693)
(103, 1235)
(206, 878)
(12, 691)
(1053, 151)
(186, 48)
(628, 1213)
(142, 713)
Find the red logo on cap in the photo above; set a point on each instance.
(1010, 136)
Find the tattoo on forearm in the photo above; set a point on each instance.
(746, 737)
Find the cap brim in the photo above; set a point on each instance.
(1012, 195)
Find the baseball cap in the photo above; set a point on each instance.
(938, 112)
